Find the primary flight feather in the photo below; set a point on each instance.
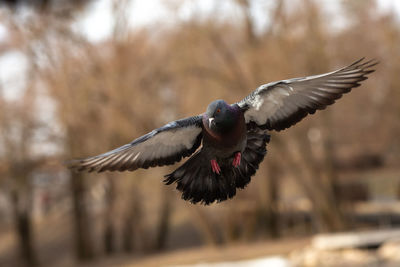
(233, 138)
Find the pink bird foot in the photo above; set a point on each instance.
(215, 167)
(236, 160)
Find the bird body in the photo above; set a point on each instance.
(233, 138)
(226, 133)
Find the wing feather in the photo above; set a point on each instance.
(163, 146)
(279, 105)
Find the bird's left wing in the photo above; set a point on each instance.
(279, 105)
(163, 146)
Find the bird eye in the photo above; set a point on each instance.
(218, 110)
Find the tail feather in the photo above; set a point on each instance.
(198, 183)
(252, 156)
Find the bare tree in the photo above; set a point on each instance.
(18, 126)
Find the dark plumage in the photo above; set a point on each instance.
(233, 137)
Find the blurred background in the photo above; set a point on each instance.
(80, 77)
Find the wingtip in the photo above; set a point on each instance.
(372, 63)
(72, 165)
(76, 165)
(361, 63)
(357, 62)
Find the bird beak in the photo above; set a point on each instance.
(210, 121)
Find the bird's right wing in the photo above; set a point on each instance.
(163, 146)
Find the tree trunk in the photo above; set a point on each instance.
(132, 224)
(23, 227)
(331, 216)
(206, 226)
(108, 234)
(164, 222)
(271, 208)
(329, 157)
(83, 243)
(128, 234)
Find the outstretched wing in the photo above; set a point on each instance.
(163, 146)
(279, 105)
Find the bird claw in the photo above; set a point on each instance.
(215, 167)
(236, 159)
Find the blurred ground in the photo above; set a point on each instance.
(220, 254)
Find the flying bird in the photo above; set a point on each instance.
(233, 138)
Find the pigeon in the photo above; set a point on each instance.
(227, 143)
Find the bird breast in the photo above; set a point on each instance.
(231, 141)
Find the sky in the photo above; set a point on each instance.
(97, 23)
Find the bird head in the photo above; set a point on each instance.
(219, 116)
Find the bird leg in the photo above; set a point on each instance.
(215, 167)
(236, 159)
